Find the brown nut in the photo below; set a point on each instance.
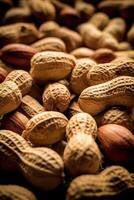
(15, 122)
(117, 143)
(18, 55)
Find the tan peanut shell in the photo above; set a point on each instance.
(42, 167)
(14, 15)
(71, 38)
(100, 20)
(41, 10)
(82, 52)
(46, 128)
(30, 106)
(117, 28)
(10, 97)
(124, 46)
(47, 28)
(85, 10)
(18, 33)
(51, 66)
(81, 123)
(81, 155)
(127, 54)
(49, 44)
(95, 39)
(78, 78)
(56, 97)
(109, 183)
(22, 79)
(15, 192)
(118, 91)
(9, 153)
(104, 72)
(18, 55)
(115, 115)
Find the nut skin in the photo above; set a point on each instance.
(18, 55)
(15, 122)
(117, 143)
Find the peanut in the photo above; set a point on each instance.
(51, 66)
(18, 32)
(17, 15)
(124, 46)
(94, 38)
(30, 106)
(103, 55)
(104, 72)
(22, 79)
(42, 167)
(41, 10)
(15, 122)
(10, 97)
(117, 144)
(56, 97)
(71, 38)
(78, 79)
(118, 91)
(49, 44)
(115, 115)
(117, 28)
(18, 55)
(109, 183)
(81, 155)
(81, 123)
(46, 128)
(82, 52)
(100, 20)
(15, 192)
(85, 10)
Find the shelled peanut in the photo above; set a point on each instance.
(67, 87)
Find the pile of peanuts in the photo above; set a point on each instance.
(66, 99)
